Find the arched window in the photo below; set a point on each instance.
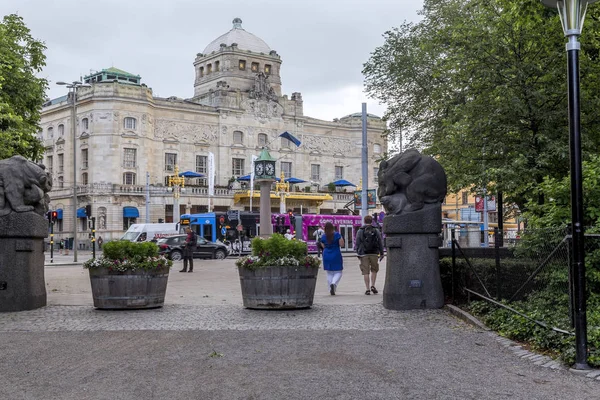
(50, 133)
(262, 140)
(61, 182)
(61, 130)
(85, 124)
(129, 178)
(216, 66)
(84, 178)
(208, 68)
(201, 72)
(129, 123)
(376, 148)
(238, 137)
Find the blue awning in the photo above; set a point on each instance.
(59, 213)
(131, 212)
(81, 213)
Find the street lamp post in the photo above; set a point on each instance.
(177, 185)
(73, 90)
(572, 15)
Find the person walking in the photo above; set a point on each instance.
(331, 243)
(369, 249)
(318, 233)
(188, 250)
(288, 235)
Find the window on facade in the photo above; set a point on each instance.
(208, 69)
(315, 172)
(49, 164)
(61, 130)
(202, 167)
(254, 67)
(262, 140)
(286, 143)
(286, 168)
(375, 173)
(242, 65)
(267, 69)
(61, 163)
(127, 222)
(216, 66)
(84, 178)
(339, 172)
(376, 148)
(201, 72)
(85, 124)
(84, 158)
(129, 123)
(170, 161)
(465, 197)
(50, 133)
(61, 182)
(238, 137)
(129, 178)
(237, 167)
(129, 158)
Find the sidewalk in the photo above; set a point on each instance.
(204, 345)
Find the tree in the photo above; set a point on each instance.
(481, 85)
(21, 92)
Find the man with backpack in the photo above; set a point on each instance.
(188, 251)
(369, 249)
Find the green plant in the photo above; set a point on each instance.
(123, 255)
(278, 251)
(331, 187)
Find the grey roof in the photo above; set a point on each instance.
(359, 114)
(245, 40)
(55, 101)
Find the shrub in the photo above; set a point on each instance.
(278, 251)
(123, 255)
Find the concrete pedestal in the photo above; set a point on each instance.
(412, 264)
(22, 284)
(266, 228)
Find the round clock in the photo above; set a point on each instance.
(270, 169)
(258, 169)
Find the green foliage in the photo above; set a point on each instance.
(331, 187)
(123, 255)
(482, 86)
(21, 91)
(278, 251)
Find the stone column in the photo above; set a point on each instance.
(22, 284)
(412, 264)
(266, 229)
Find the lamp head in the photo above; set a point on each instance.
(571, 12)
(61, 83)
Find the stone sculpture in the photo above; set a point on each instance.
(410, 180)
(24, 199)
(24, 186)
(411, 189)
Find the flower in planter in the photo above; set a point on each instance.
(278, 251)
(122, 256)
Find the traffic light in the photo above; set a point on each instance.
(88, 210)
(49, 216)
(54, 215)
(292, 218)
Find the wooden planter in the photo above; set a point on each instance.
(278, 287)
(128, 290)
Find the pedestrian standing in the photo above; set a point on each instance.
(100, 241)
(332, 242)
(318, 234)
(369, 249)
(188, 250)
(61, 246)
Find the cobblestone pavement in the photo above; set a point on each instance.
(195, 347)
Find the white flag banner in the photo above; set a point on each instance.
(211, 174)
(252, 180)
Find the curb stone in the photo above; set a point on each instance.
(517, 349)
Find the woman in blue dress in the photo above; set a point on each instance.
(331, 242)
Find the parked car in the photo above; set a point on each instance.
(172, 247)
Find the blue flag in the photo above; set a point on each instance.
(291, 138)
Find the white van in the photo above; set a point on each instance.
(147, 232)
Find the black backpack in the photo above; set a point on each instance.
(370, 240)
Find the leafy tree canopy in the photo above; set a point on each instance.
(481, 85)
(21, 92)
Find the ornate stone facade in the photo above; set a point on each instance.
(126, 137)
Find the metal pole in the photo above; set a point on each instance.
(147, 197)
(577, 204)
(176, 216)
(74, 131)
(365, 162)
(486, 239)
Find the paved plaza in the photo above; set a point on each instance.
(204, 345)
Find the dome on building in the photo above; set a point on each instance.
(245, 40)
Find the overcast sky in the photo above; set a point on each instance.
(323, 43)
